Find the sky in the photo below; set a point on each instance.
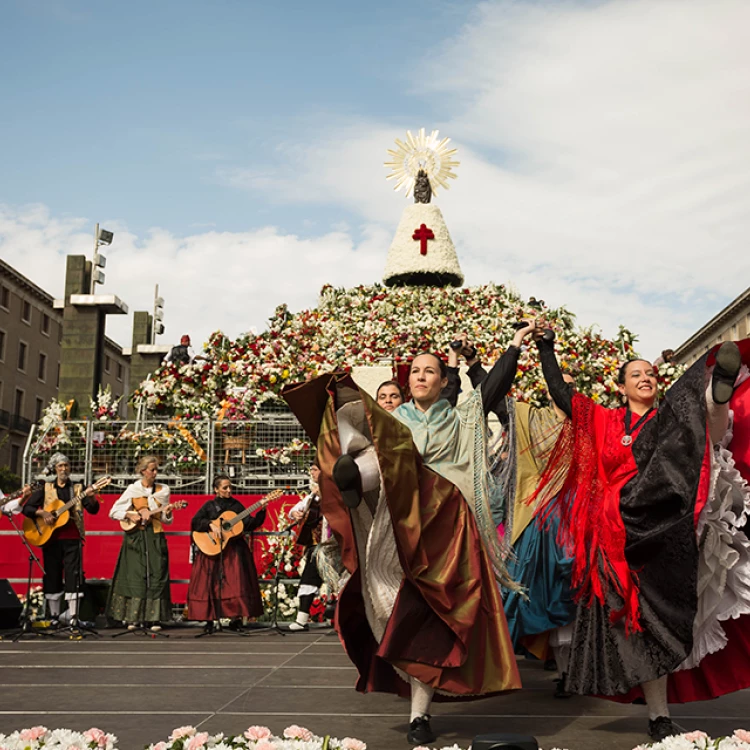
(236, 150)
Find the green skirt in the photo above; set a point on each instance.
(134, 596)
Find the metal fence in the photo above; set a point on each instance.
(271, 451)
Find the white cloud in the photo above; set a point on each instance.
(604, 157)
(228, 280)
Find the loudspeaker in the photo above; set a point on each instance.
(504, 741)
(10, 606)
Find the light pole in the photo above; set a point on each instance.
(157, 327)
(101, 237)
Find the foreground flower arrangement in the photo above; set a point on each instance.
(292, 738)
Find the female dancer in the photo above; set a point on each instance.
(638, 481)
(224, 585)
(421, 613)
(140, 584)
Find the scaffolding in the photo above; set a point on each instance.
(268, 452)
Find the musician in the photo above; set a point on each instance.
(63, 570)
(144, 549)
(224, 585)
(307, 512)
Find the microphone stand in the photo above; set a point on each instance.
(24, 621)
(76, 630)
(273, 626)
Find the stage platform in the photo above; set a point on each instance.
(140, 688)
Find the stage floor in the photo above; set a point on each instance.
(141, 688)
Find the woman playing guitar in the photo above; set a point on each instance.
(140, 585)
(226, 584)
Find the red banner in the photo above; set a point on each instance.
(101, 549)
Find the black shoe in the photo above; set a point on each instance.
(660, 728)
(420, 732)
(348, 480)
(235, 625)
(560, 691)
(550, 665)
(330, 611)
(728, 363)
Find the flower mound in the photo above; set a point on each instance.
(375, 325)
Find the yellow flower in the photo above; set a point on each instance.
(285, 374)
(272, 379)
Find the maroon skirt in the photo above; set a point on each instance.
(234, 594)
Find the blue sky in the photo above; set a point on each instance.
(237, 148)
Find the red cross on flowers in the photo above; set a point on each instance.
(423, 234)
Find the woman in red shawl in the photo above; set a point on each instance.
(638, 481)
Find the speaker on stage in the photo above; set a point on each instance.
(10, 606)
(504, 742)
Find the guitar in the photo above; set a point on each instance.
(33, 487)
(141, 503)
(38, 533)
(227, 526)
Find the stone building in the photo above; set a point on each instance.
(31, 332)
(731, 324)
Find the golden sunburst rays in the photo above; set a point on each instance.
(425, 152)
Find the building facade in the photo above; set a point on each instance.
(31, 333)
(731, 324)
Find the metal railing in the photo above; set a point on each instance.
(271, 451)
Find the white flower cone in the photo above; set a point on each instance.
(407, 266)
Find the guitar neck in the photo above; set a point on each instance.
(245, 513)
(72, 502)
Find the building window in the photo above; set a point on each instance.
(15, 458)
(45, 324)
(119, 371)
(107, 363)
(23, 350)
(5, 297)
(57, 385)
(18, 403)
(26, 311)
(38, 411)
(42, 373)
(2, 346)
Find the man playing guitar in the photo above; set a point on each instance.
(62, 553)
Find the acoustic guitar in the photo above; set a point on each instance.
(38, 533)
(227, 526)
(33, 487)
(141, 503)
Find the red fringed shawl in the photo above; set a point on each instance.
(591, 526)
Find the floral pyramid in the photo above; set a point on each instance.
(377, 325)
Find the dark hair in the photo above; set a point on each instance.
(441, 362)
(623, 371)
(395, 384)
(219, 478)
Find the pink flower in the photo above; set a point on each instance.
(34, 733)
(160, 746)
(198, 741)
(350, 743)
(97, 736)
(265, 745)
(182, 732)
(742, 735)
(294, 732)
(257, 733)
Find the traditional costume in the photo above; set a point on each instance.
(422, 606)
(225, 585)
(645, 512)
(140, 584)
(63, 554)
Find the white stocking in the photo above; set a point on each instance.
(717, 417)
(655, 692)
(421, 697)
(562, 654)
(54, 604)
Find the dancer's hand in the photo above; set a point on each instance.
(522, 333)
(134, 516)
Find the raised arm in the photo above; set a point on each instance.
(561, 393)
(500, 378)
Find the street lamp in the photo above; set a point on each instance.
(158, 327)
(101, 237)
